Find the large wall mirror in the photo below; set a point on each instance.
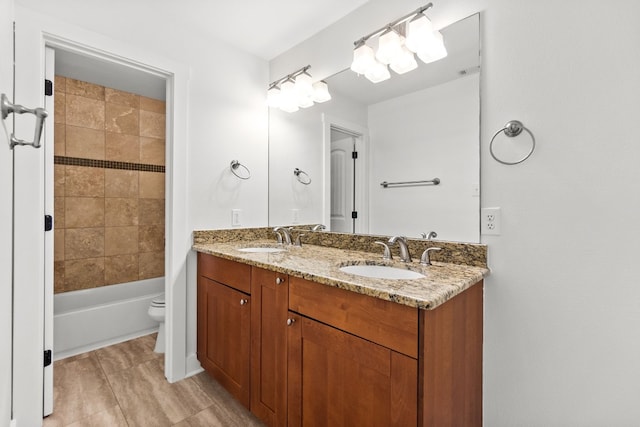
(418, 126)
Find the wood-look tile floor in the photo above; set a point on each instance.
(124, 385)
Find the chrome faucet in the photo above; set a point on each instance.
(425, 260)
(430, 235)
(405, 256)
(286, 234)
(319, 227)
(387, 252)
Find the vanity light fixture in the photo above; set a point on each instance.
(297, 90)
(398, 41)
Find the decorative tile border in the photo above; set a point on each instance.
(107, 164)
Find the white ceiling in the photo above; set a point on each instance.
(265, 28)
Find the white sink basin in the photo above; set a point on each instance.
(261, 250)
(382, 272)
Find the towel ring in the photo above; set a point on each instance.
(512, 129)
(235, 165)
(306, 181)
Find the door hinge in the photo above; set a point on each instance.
(47, 358)
(354, 155)
(354, 214)
(48, 87)
(48, 223)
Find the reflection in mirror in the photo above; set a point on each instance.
(413, 127)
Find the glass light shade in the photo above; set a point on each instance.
(363, 59)
(273, 96)
(404, 62)
(389, 46)
(305, 102)
(378, 73)
(288, 97)
(321, 92)
(435, 50)
(304, 85)
(419, 34)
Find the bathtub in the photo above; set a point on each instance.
(93, 318)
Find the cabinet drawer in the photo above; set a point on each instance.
(230, 273)
(392, 325)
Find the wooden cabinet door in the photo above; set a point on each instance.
(337, 379)
(269, 305)
(224, 334)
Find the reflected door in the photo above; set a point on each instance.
(342, 185)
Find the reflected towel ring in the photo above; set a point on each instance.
(512, 129)
(306, 181)
(235, 165)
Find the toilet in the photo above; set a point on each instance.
(156, 312)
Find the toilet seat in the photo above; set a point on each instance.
(158, 301)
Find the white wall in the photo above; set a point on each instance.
(295, 141)
(561, 305)
(427, 134)
(6, 260)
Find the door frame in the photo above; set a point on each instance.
(362, 173)
(33, 33)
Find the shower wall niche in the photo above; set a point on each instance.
(109, 195)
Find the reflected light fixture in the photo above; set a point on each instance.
(398, 41)
(297, 90)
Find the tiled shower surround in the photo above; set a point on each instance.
(109, 186)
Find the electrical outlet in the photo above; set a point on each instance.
(236, 217)
(490, 218)
(295, 216)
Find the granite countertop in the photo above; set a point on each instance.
(322, 264)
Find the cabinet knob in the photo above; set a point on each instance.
(279, 280)
(243, 301)
(291, 322)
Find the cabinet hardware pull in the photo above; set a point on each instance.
(243, 301)
(291, 322)
(279, 281)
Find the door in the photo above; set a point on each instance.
(6, 174)
(342, 183)
(224, 334)
(269, 307)
(337, 379)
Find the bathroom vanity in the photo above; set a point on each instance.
(301, 343)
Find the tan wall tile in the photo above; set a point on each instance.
(151, 185)
(58, 212)
(152, 124)
(122, 119)
(59, 107)
(153, 105)
(120, 269)
(58, 180)
(84, 112)
(121, 183)
(123, 148)
(121, 240)
(151, 238)
(84, 212)
(59, 133)
(81, 243)
(115, 96)
(58, 245)
(151, 151)
(151, 211)
(85, 143)
(151, 265)
(121, 211)
(85, 89)
(59, 84)
(58, 277)
(83, 274)
(84, 181)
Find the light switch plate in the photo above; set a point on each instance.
(236, 217)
